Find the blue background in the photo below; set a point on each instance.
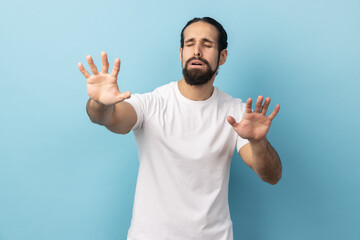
(62, 177)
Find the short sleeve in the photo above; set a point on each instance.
(240, 142)
(141, 103)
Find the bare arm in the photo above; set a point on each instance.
(263, 159)
(106, 105)
(118, 118)
(258, 154)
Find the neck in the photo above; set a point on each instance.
(196, 93)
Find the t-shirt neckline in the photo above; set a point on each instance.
(193, 102)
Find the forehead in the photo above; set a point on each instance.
(200, 30)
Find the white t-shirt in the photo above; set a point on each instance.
(185, 149)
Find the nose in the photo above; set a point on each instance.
(197, 51)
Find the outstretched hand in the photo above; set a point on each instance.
(102, 86)
(255, 124)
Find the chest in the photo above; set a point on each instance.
(192, 132)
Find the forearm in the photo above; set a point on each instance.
(118, 118)
(266, 161)
(99, 113)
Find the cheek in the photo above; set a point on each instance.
(185, 56)
(214, 61)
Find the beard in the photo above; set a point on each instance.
(198, 76)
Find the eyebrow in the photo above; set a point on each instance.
(207, 40)
(203, 40)
(189, 40)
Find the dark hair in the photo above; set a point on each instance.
(222, 33)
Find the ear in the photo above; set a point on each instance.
(180, 54)
(223, 56)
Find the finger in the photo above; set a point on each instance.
(248, 105)
(105, 63)
(92, 65)
(123, 96)
(258, 104)
(83, 70)
(116, 68)
(275, 112)
(265, 106)
(232, 121)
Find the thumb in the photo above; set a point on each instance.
(232, 121)
(123, 96)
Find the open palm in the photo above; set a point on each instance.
(102, 86)
(255, 124)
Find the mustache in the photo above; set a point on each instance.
(196, 58)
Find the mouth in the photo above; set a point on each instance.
(197, 63)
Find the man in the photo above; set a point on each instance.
(186, 133)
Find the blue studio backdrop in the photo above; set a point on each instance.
(62, 177)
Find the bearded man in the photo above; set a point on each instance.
(186, 133)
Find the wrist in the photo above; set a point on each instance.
(97, 104)
(258, 145)
(261, 141)
(98, 112)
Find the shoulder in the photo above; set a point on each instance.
(232, 105)
(228, 100)
(157, 94)
(150, 103)
(161, 95)
(164, 90)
